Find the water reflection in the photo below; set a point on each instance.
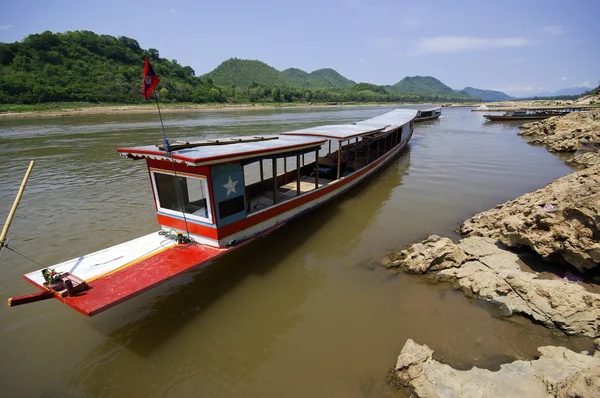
(295, 314)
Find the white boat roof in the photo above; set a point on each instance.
(339, 131)
(435, 108)
(392, 120)
(225, 150)
(385, 122)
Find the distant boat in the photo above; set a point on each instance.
(213, 196)
(428, 114)
(531, 114)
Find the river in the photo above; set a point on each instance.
(302, 312)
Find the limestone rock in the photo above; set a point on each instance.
(434, 253)
(561, 220)
(584, 160)
(558, 372)
(480, 268)
(565, 133)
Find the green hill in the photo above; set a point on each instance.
(422, 85)
(330, 78)
(299, 77)
(247, 73)
(370, 87)
(486, 95)
(85, 66)
(321, 78)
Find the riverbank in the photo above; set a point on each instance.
(537, 256)
(585, 102)
(87, 109)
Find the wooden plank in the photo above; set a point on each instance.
(30, 298)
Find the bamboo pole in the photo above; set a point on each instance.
(15, 204)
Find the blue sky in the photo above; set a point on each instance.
(519, 47)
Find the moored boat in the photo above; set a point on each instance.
(428, 114)
(531, 114)
(214, 196)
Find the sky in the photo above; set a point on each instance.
(521, 47)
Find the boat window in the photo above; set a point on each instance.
(182, 194)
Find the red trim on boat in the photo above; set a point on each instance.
(117, 287)
(194, 228)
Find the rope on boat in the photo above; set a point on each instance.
(5, 245)
(170, 155)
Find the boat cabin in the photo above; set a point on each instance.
(428, 114)
(224, 191)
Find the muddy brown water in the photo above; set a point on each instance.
(299, 313)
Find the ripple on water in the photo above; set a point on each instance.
(299, 305)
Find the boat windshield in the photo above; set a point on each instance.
(184, 193)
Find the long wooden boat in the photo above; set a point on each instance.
(214, 196)
(531, 114)
(428, 114)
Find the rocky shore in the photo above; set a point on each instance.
(558, 372)
(558, 225)
(570, 133)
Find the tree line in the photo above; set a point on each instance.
(85, 66)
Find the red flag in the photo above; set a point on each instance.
(150, 80)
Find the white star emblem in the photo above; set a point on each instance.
(230, 186)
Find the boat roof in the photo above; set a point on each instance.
(224, 150)
(435, 108)
(385, 122)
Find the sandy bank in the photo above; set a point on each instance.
(558, 372)
(166, 109)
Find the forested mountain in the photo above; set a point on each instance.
(330, 78)
(247, 73)
(321, 78)
(412, 87)
(84, 66)
(299, 77)
(422, 85)
(487, 95)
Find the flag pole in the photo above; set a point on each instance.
(165, 141)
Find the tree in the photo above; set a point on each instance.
(153, 54)
(275, 94)
(163, 94)
(215, 95)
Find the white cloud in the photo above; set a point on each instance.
(5, 27)
(563, 78)
(172, 10)
(453, 44)
(361, 60)
(586, 84)
(551, 30)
